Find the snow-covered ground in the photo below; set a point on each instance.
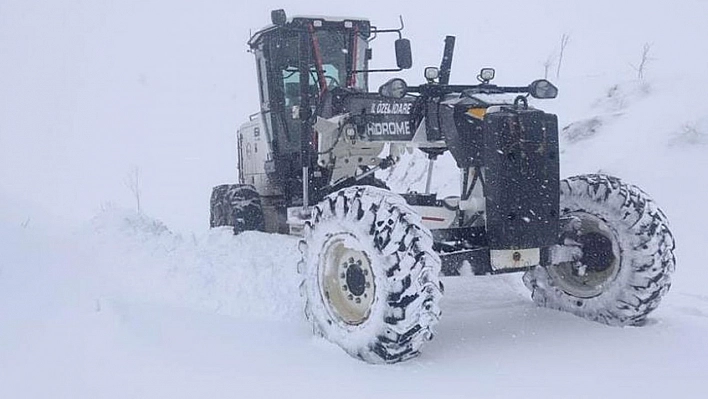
(98, 301)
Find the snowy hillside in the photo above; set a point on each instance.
(98, 301)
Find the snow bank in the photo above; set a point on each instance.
(128, 308)
(140, 258)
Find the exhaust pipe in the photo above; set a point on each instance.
(446, 63)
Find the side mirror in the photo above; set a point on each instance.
(542, 89)
(404, 57)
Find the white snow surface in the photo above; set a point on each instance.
(100, 301)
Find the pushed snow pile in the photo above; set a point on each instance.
(410, 174)
(140, 258)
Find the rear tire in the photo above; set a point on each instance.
(236, 205)
(370, 275)
(627, 254)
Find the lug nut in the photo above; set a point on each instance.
(344, 288)
(358, 300)
(350, 297)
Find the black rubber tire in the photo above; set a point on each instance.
(405, 273)
(236, 205)
(370, 180)
(646, 253)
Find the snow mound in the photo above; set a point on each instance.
(409, 174)
(615, 102)
(621, 95)
(140, 258)
(693, 133)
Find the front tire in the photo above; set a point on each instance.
(370, 275)
(627, 254)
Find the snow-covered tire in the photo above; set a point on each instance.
(369, 275)
(237, 205)
(370, 180)
(620, 278)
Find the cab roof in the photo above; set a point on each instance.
(299, 22)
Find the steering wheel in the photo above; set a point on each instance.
(331, 81)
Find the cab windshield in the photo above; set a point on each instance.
(334, 56)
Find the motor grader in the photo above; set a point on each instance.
(372, 259)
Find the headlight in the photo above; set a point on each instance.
(394, 88)
(349, 132)
(431, 73)
(542, 89)
(486, 74)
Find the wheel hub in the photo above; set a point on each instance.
(597, 252)
(355, 278)
(599, 264)
(347, 281)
